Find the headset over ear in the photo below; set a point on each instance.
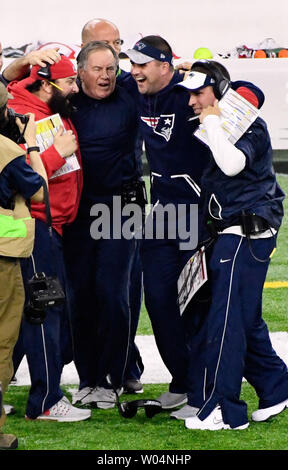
(45, 72)
(218, 72)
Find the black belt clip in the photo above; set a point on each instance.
(253, 224)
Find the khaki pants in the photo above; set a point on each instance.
(11, 307)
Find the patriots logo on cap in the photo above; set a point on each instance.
(162, 125)
(140, 45)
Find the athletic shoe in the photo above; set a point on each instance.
(133, 386)
(13, 380)
(77, 396)
(64, 412)
(8, 441)
(186, 411)
(9, 409)
(213, 422)
(101, 397)
(171, 400)
(265, 413)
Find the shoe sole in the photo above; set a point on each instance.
(277, 410)
(95, 404)
(218, 428)
(182, 417)
(105, 407)
(59, 420)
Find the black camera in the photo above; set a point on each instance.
(11, 129)
(43, 292)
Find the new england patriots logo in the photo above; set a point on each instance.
(161, 125)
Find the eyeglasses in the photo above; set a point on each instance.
(117, 42)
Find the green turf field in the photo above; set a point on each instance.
(107, 430)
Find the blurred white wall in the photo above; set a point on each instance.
(186, 24)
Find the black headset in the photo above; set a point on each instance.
(128, 409)
(45, 72)
(217, 72)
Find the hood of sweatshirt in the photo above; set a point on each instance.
(23, 96)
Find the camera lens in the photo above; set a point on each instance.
(34, 315)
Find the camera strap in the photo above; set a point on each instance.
(48, 221)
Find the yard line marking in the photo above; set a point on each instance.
(275, 284)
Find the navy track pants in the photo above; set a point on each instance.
(48, 347)
(237, 341)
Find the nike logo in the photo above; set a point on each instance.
(217, 420)
(224, 260)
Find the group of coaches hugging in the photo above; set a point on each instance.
(94, 159)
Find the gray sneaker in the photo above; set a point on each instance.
(171, 400)
(64, 412)
(186, 411)
(78, 395)
(101, 397)
(133, 386)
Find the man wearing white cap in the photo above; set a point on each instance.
(244, 207)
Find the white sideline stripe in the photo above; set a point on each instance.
(155, 371)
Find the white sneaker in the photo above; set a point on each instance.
(101, 397)
(186, 411)
(265, 413)
(9, 409)
(213, 422)
(78, 395)
(63, 411)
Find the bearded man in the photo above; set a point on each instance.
(47, 342)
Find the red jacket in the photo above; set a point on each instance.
(64, 190)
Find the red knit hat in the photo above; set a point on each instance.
(62, 69)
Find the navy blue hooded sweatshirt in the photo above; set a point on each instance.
(255, 189)
(176, 158)
(107, 131)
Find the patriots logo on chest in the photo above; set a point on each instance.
(162, 125)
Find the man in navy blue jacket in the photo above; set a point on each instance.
(244, 205)
(176, 159)
(99, 268)
(99, 29)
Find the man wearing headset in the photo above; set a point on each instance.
(244, 206)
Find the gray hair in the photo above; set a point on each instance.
(92, 47)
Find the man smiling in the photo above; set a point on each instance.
(176, 160)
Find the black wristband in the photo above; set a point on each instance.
(33, 149)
